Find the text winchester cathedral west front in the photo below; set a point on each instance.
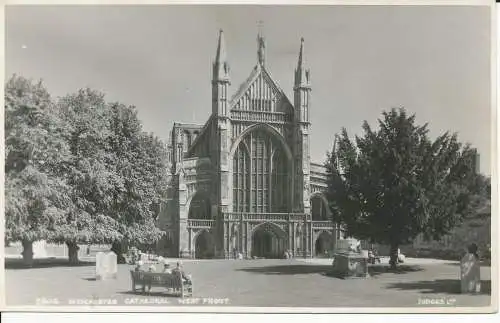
(243, 182)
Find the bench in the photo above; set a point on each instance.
(172, 281)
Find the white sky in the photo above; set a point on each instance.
(435, 61)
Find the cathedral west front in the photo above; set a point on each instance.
(243, 182)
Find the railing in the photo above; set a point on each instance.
(323, 224)
(201, 223)
(318, 188)
(259, 116)
(279, 217)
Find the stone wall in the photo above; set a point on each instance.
(451, 246)
(55, 250)
(454, 245)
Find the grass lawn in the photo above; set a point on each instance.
(263, 283)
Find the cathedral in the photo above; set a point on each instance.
(243, 183)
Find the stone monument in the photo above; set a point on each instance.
(40, 249)
(106, 265)
(100, 268)
(349, 260)
(112, 260)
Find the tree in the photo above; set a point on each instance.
(479, 206)
(79, 171)
(92, 182)
(35, 157)
(390, 185)
(139, 160)
(117, 174)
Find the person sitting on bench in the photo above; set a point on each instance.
(138, 265)
(373, 256)
(166, 268)
(178, 269)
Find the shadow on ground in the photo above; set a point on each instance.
(326, 270)
(289, 269)
(439, 286)
(44, 263)
(482, 263)
(378, 270)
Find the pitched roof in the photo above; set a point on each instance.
(256, 72)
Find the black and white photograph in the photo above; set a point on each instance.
(250, 157)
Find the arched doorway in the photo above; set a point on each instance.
(268, 241)
(323, 244)
(204, 246)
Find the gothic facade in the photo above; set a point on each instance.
(243, 182)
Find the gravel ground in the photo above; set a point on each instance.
(262, 283)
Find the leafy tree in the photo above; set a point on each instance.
(91, 180)
(35, 157)
(480, 200)
(117, 174)
(79, 171)
(390, 185)
(139, 160)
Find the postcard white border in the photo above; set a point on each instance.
(304, 310)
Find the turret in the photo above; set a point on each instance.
(220, 79)
(302, 87)
(261, 50)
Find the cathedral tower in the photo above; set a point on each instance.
(222, 140)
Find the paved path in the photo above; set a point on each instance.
(263, 283)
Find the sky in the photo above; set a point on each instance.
(432, 60)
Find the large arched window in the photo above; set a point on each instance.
(280, 184)
(241, 179)
(260, 167)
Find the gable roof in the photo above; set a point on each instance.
(256, 72)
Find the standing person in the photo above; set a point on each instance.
(470, 271)
(473, 250)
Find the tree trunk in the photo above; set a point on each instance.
(393, 255)
(117, 248)
(27, 253)
(72, 253)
